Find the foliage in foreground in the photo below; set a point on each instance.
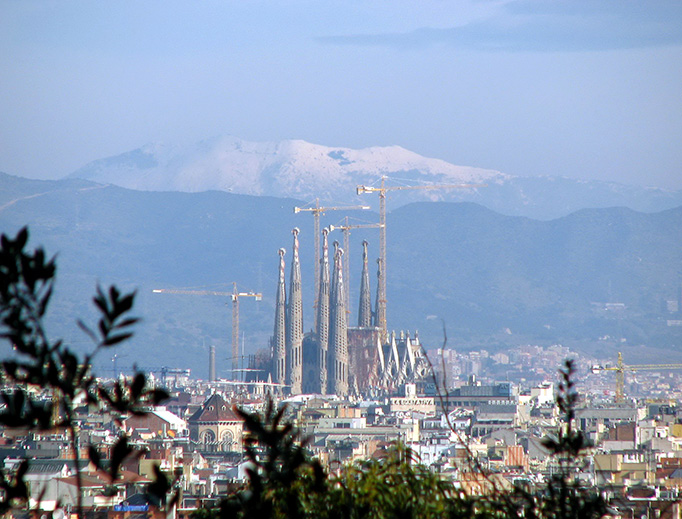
(284, 481)
(48, 381)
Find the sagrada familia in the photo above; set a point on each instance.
(336, 358)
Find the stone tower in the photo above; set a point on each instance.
(279, 338)
(322, 326)
(338, 331)
(294, 328)
(365, 307)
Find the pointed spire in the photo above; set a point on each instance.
(322, 321)
(334, 282)
(279, 336)
(365, 307)
(338, 330)
(295, 323)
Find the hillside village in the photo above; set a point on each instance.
(196, 438)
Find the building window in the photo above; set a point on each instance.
(208, 437)
(227, 441)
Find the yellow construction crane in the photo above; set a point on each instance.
(346, 249)
(382, 189)
(620, 368)
(317, 211)
(234, 295)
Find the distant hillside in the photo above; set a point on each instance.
(545, 279)
(306, 171)
(494, 280)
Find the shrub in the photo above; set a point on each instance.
(49, 367)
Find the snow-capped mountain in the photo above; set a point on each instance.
(305, 171)
(292, 168)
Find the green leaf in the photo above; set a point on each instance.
(159, 487)
(94, 456)
(87, 330)
(119, 453)
(128, 322)
(113, 340)
(137, 386)
(159, 396)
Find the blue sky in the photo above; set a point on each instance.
(586, 89)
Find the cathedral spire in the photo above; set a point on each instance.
(322, 322)
(294, 363)
(279, 337)
(338, 330)
(365, 307)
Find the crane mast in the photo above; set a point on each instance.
(317, 211)
(381, 190)
(235, 323)
(346, 249)
(234, 295)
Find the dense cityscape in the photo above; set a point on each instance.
(197, 437)
(341, 259)
(471, 417)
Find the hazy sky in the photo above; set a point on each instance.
(588, 89)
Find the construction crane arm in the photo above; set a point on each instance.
(649, 367)
(636, 367)
(190, 292)
(248, 294)
(258, 296)
(620, 368)
(363, 226)
(323, 209)
(316, 212)
(234, 296)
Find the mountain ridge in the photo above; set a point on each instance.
(478, 271)
(298, 169)
(219, 163)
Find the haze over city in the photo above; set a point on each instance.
(584, 89)
(350, 259)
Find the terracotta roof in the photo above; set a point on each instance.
(215, 409)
